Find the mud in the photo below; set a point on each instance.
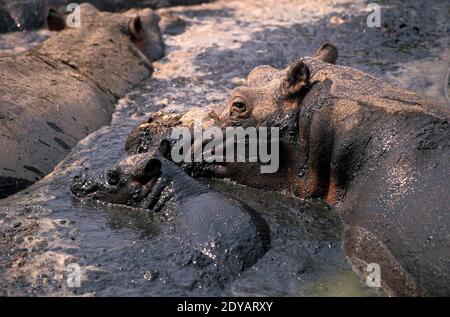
(123, 252)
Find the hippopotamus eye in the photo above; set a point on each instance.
(238, 106)
(113, 176)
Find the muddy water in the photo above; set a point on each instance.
(127, 252)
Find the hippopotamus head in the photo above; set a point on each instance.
(131, 182)
(110, 31)
(270, 98)
(271, 94)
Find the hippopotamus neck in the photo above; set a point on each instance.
(174, 186)
(347, 127)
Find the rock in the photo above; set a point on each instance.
(336, 20)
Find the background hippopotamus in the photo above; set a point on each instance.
(58, 93)
(378, 153)
(226, 230)
(116, 5)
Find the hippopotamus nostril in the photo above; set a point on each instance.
(79, 179)
(113, 177)
(136, 193)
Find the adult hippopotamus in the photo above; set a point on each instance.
(376, 152)
(227, 231)
(56, 94)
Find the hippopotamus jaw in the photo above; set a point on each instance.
(271, 99)
(100, 190)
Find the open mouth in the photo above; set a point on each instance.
(154, 197)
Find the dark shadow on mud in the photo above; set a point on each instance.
(120, 5)
(207, 13)
(409, 31)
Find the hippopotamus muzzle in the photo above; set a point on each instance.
(83, 186)
(135, 184)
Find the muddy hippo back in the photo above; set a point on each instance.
(53, 96)
(228, 232)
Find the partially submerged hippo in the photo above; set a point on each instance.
(56, 94)
(378, 153)
(227, 231)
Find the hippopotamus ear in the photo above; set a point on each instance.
(297, 79)
(55, 20)
(327, 53)
(152, 168)
(136, 29)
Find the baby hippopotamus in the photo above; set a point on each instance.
(228, 231)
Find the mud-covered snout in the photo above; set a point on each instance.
(128, 183)
(83, 186)
(98, 187)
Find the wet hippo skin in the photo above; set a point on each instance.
(376, 152)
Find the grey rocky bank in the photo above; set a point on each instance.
(56, 94)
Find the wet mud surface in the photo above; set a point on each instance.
(210, 50)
